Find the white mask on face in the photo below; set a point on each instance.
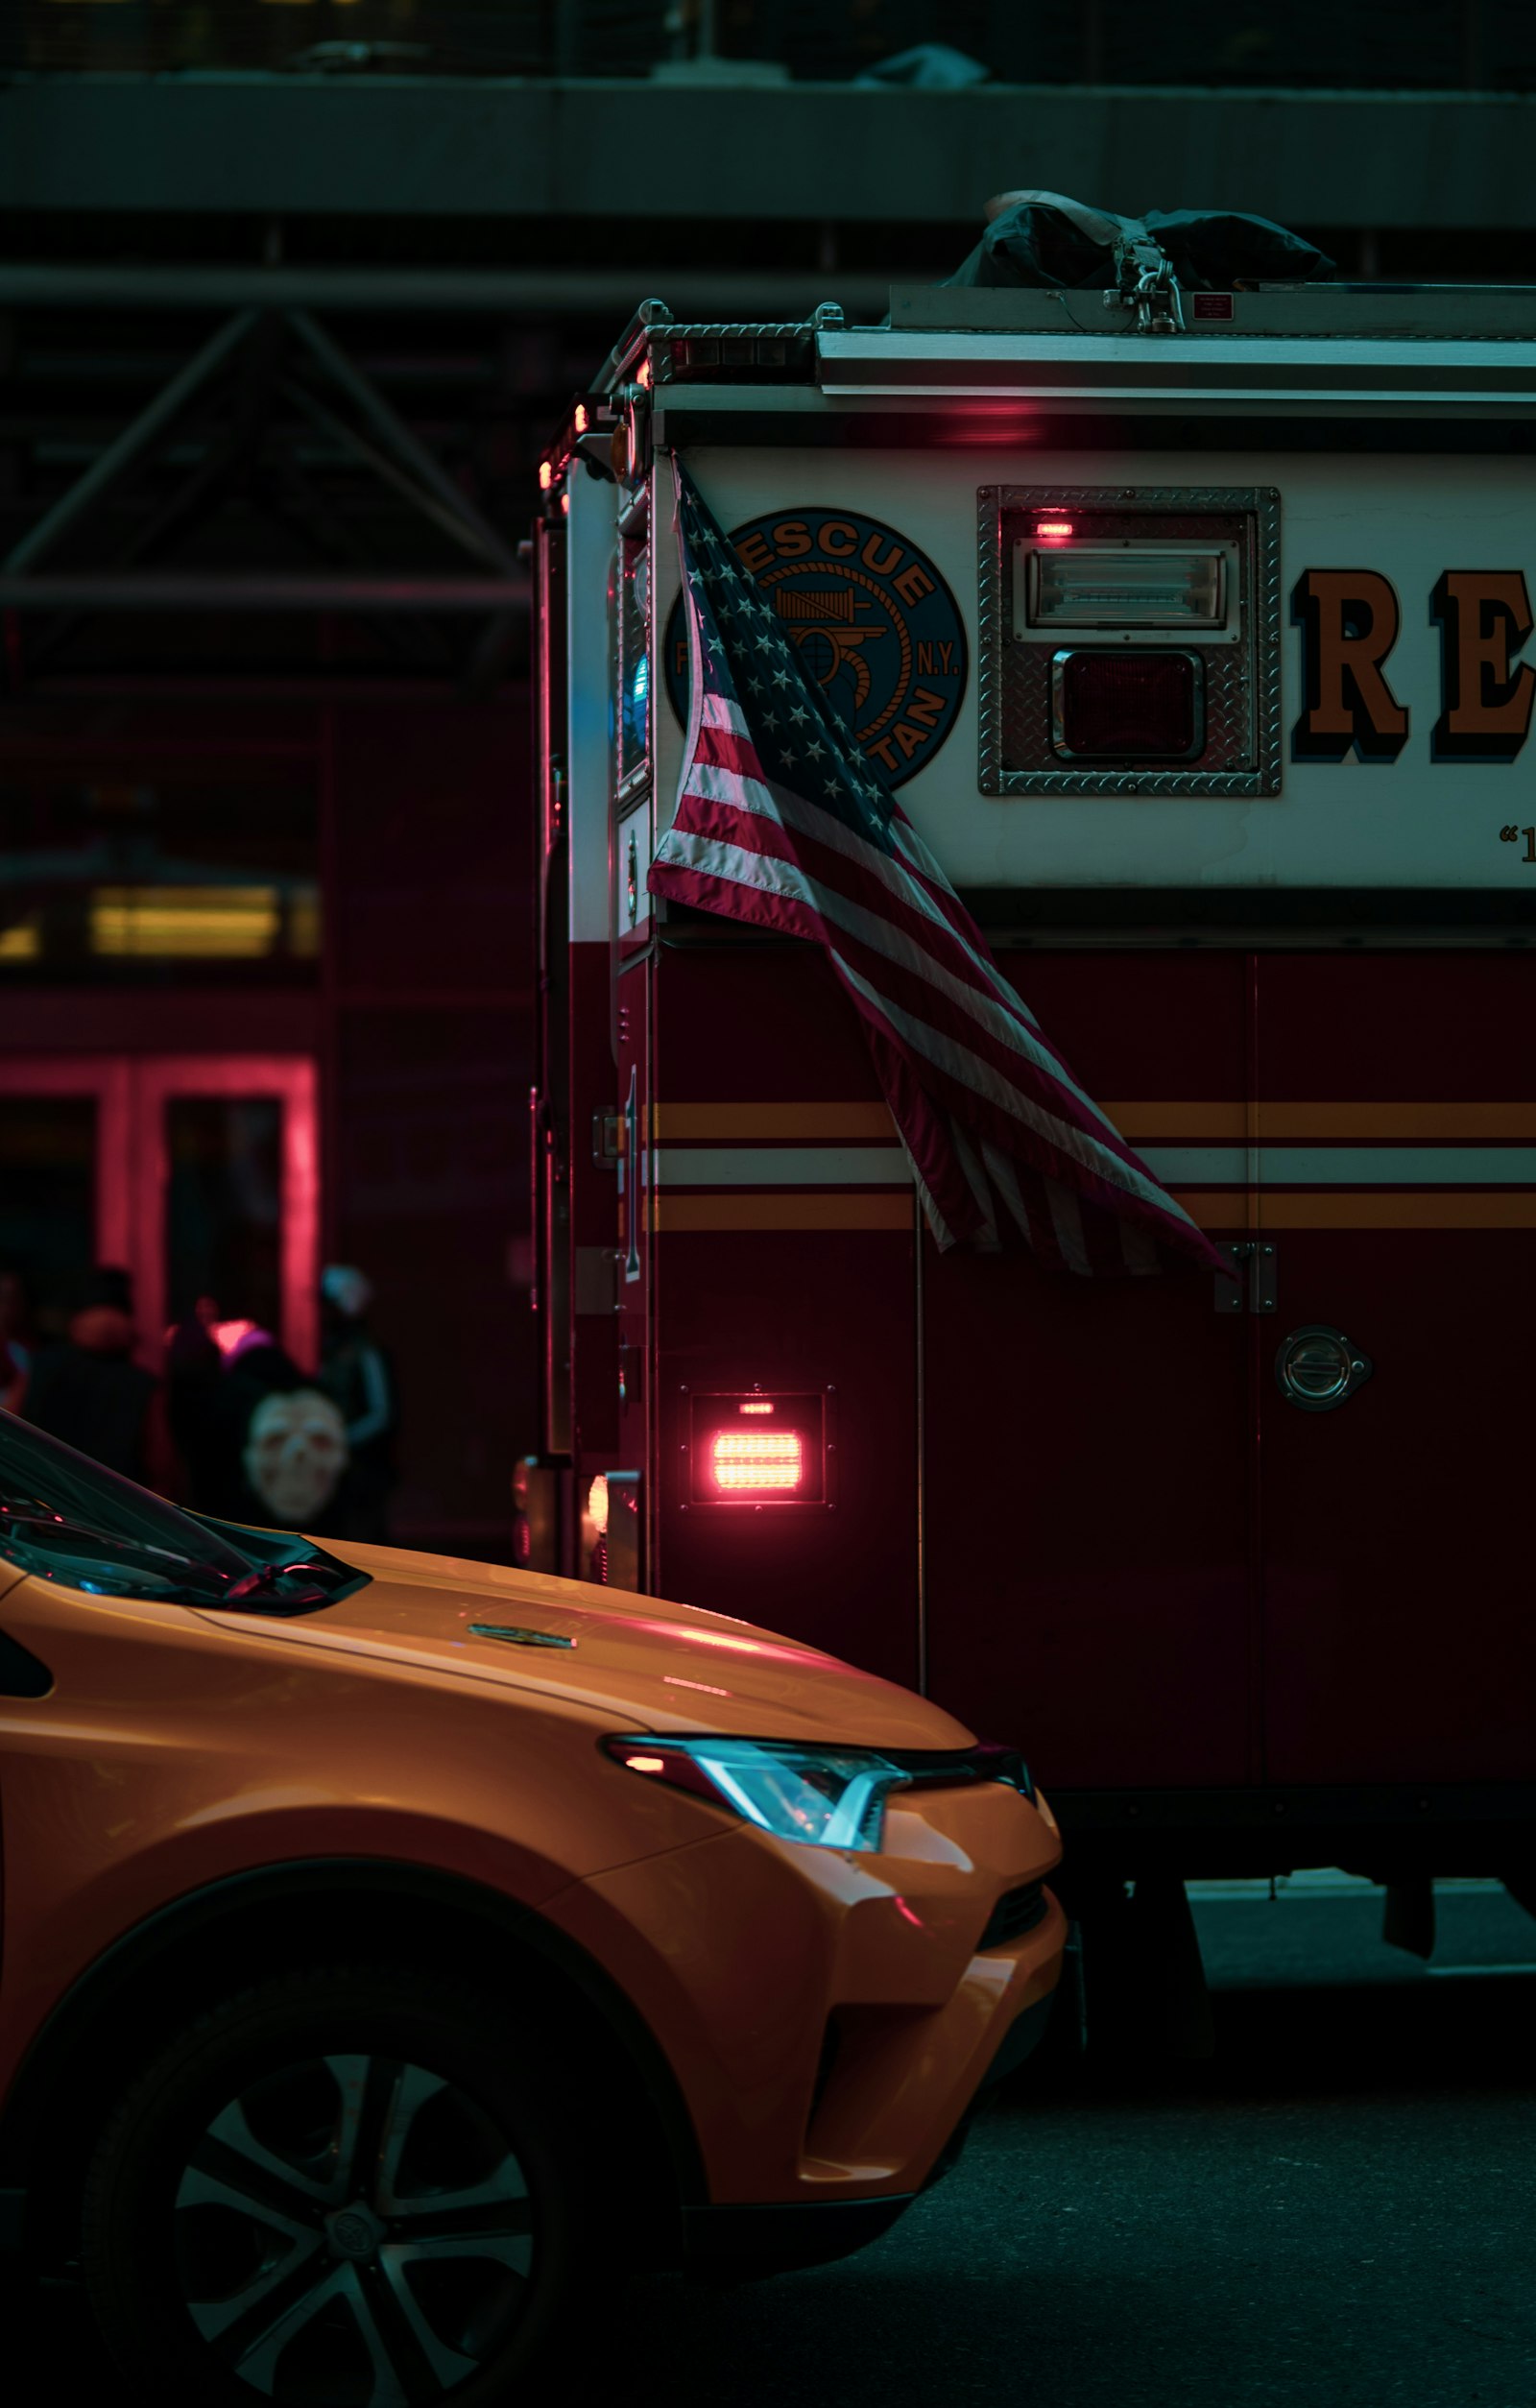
(296, 1452)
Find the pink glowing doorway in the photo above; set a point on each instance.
(198, 1173)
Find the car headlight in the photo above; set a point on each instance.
(828, 1797)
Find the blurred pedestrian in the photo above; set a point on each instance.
(285, 1448)
(295, 1458)
(193, 1371)
(91, 1393)
(262, 1441)
(356, 1371)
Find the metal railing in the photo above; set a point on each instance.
(1414, 45)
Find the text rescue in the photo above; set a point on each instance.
(1351, 618)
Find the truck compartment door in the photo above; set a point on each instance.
(1397, 1123)
(1087, 1444)
(783, 1328)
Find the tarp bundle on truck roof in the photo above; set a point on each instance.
(1045, 238)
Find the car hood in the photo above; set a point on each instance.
(652, 1665)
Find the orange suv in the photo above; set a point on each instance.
(385, 1936)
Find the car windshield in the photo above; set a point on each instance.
(65, 1519)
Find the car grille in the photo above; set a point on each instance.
(1016, 1913)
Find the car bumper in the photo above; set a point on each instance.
(831, 2017)
(726, 2244)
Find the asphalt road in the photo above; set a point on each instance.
(1339, 2208)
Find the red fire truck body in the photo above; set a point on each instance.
(1195, 657)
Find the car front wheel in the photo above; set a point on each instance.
(346, 2190)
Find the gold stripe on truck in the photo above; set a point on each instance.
(1334, 1208)
(1323, 1120)
(826, 1120)
(1237, 1123)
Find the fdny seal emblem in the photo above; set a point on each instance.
(874, 623)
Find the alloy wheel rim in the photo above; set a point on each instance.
(353, 2231)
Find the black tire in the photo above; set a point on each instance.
(269, 2213)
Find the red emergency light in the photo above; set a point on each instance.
(756, 1462)
(1127, 705)
(746, 1449)
(1052, 530)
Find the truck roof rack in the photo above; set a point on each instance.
(1465, 313)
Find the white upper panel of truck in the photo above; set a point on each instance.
(1240, 605)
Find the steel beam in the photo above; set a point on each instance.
(106, 589)
(119, 456)
(413, 147)
(461, 530)
(413, 454)
(536, 293)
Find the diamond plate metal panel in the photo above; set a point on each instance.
(1242, 753)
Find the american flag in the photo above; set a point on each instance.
(782, 823)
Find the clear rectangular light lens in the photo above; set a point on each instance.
(1110, 584)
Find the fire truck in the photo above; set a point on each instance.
(1190, 643)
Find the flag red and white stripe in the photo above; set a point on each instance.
(782, 823)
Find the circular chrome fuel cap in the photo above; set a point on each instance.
(1317, 1368)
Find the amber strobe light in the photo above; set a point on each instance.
(1126, 705)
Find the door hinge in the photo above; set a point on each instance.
(1250, 1284)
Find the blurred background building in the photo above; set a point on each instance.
(291, 292)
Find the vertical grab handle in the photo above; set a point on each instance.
(632, 1174)
(536, 1205)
